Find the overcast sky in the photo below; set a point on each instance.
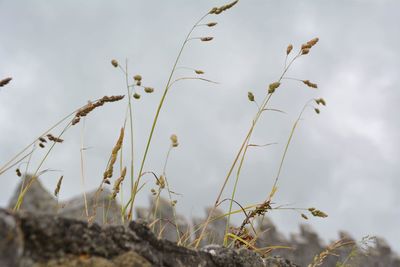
(344, 161)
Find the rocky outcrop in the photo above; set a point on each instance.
(28, 239)
(17, 241)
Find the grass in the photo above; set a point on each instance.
(238, 237)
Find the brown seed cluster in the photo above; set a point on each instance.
(273, 86)
(320, 101)
(5, 81)
(289, 49)
(18, 172)
(84, 111)
(58, 187)
(250, 96)
(174, 140)
(54, 139)
(199, 72)
(219, 10)
(149, 90)
(109, 172)
(310, 84)
(211, 24)
(114, 62)
(161, 181)
(117, 184)
(317, 213)
(305, 48)
(206, 39)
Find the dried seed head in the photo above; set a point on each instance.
(305, 51)
(57, 190)
(138, 83)
(305, 46)
(320, 101)
(137, 77)
(313, 42)
(206, 39)
(211, 24)
(213, 10)
(114, 62)
(18, 171)
(153, 192)
(219, 10)
(273, 86)
(289, 49)
(82, 112)
(173, 203)
(174, 140)
(149, 89)
(304, 216)
(42, 139)
(136, 96)
(5, 81)
(106, 181)
(317, 213)
(161, 181)
(117, 184)
(250, 96)
(54, 139)
(41, 145)
(199, 72)
(317, 110)
(310, 84)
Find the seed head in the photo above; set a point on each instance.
(289, 49)
(136, 96)
(57, 190)
(114, 62)
(199, 72)
(313, 42)
(5, 81)
(161, 181)
(320, 101)
(250, 96)
(173, 203)
(305, 51)
(304, 216)
(273, 86)
(317, 110)
(211, 24)
(310, 84)
(317, 213)
(18, 171)
(149, 89)
(174, 140)
(206, 39)
(41, 145)
(137, 77)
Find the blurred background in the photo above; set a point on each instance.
(344, 161)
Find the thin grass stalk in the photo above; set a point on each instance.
(34, 177)
(83, 170)
(133, 196)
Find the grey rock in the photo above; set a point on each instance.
(11, 240)
(36, 199)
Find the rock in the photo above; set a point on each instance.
(36, 199)
(52, 240)
(11, 240)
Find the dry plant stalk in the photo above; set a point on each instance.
(319, 259)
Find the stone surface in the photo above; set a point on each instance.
(304, 246)
(51, 240)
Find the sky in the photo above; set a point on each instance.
(343, 161)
